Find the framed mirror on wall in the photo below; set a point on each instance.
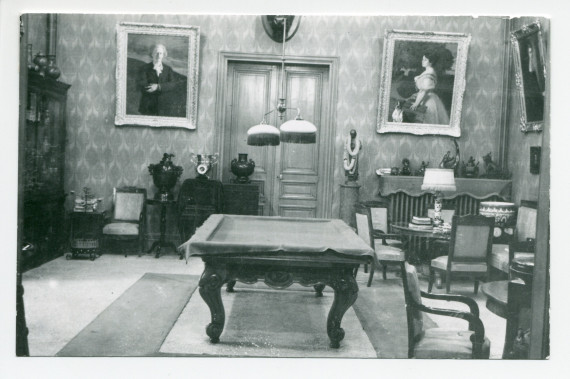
(422, 82)
(530, 71)
(157, 75)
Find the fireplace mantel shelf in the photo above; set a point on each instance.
(477, 188)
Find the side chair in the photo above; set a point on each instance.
(441, 343)
(128, 220)
(385, 254)
(469, 251)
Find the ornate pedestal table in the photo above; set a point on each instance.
(280, 251)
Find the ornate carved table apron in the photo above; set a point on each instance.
(280, 251)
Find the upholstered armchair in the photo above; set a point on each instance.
(128, 217)
(441, 343)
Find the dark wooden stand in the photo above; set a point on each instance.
(279, 274)
(85, 234)
(161, 243)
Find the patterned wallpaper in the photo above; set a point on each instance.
(525, 184)
(101, 155)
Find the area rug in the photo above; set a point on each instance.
(137, 323)
(261, 322)
(163, 315)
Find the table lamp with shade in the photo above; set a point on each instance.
(439, 181)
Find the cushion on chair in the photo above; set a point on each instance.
(121, 228)
(500, 257)
(440, 343)
(362, 227)
(468, 241)
(413, 288)
(128, 206)
(389, 253)
(441, 263)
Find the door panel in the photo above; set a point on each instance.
(253, 92)
(288, 174)
(298, 164)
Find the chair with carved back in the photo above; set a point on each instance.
(128, 217)
(469, 250)
(441, 343)
(385, 254)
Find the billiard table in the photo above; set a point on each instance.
(279, 251)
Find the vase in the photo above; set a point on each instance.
(504, 213)
(242, 168)
(52, 70)
(41, 62)
(164, 176)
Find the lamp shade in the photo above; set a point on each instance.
(263, 135)
(298, 131)
(439, 179)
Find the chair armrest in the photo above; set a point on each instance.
(471, 303)
(475, 324)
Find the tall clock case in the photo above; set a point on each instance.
(43, 234)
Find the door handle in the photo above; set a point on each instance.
(280, 176)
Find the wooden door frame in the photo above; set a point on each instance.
(326, 172)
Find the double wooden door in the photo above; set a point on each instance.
(290, 176)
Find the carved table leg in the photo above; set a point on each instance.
(319, 289)
(210, 285)
(230, 286)
(345, 294)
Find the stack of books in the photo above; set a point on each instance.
(421, 223)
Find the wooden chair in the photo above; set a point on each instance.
(385, 254)
(521, 244)
(441, 343)
(129, 214)
(469, 250)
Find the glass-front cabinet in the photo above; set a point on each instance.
(44, 156)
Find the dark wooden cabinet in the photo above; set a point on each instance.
(241, 199)
(43, 151)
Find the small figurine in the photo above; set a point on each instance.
(395, 171)
(471, 169)
(422, 170)
(451, 162)
(406, 167)
(352, 147)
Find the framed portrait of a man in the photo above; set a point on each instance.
(422, 82)
(157, 75)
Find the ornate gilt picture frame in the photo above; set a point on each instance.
(530, 75)
(422, 82)
(157, 75)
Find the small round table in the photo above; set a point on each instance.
(161, 243)
(404, 228)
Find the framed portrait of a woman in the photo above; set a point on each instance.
(157, 75)
(422, 82)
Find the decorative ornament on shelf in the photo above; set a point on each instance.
(203, 163)
(450, 162)
(406, 170)
(242, 168)
(86, 203)
(164, 175)
(470, 169)
(352, 147)
(492, 170)
(41, 63)
(422, 170)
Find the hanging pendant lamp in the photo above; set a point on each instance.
(297, 130)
